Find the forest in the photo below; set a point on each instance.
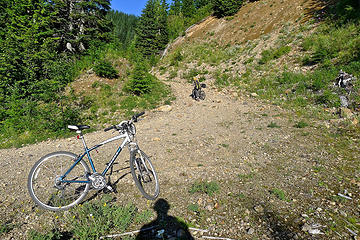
(47, 44)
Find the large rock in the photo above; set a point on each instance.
(165, 108)
(346, 113)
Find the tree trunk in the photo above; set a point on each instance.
(81, 30)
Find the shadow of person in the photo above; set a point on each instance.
(164, 226)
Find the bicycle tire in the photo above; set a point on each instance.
(50, 194)
(202, 95)
(148, 184)
(195, 94)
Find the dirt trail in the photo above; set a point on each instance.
(218, 139)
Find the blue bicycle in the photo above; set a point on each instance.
(61, 180)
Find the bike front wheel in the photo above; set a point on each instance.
(49, 191)
(202, 95)
(144, 174)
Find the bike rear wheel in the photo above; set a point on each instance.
(202, 95)
(144, 174)
(46, 188)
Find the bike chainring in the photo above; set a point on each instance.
(98, 181)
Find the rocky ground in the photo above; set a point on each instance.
(275, 179)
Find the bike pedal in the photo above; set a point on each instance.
(110, 188)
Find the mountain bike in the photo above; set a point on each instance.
(197, 92)
(61, 180)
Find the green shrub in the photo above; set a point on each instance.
(221, 79)
(280, 194)
(6, 227)
(273, 125)
(105, 69)
(194, 207)
(141, 81)
(176, 58)
(224, 8)
(270, 54)
(95, 219)
(301, 124)
(52, 235)
(328, 98)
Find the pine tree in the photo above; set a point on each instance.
(85, 23)
(124, 27)
(188, 8)
(141, 81)
(226, 7)
(175, 7)
(152, 31)
(162, 22)
(202, 3)
(147, 29)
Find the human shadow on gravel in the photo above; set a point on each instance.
(278, 228)
(164, 226)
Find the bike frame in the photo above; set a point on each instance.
(87, 153)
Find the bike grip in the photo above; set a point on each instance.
(109, 128)
(140, 114)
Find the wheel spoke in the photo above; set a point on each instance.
(144, 175)
(45, 186)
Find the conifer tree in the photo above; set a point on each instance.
(226, 7)
(124, 27)
(82, 23)
(202, 3)
(152, 32)
(175, 7)
(188, 8)
(147, 29)
(163, 35)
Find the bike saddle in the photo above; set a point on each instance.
(78, 127)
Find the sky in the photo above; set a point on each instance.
(129, 6)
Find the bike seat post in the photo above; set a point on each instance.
(82, 138)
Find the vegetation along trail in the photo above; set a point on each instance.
(269, 154)
(264, 167)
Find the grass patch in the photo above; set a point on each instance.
(246, 177)
(301, 124)
(224, 145)
(209, 188)
(6, 227)
(280, 194)
(194, 208)
(271, 54)
(273, 125)
(95, 219)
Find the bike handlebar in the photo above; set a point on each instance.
(109, 128)
(133, 119)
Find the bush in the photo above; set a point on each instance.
(105, 69)
(141, 80)
(270, 54)
(224, 8)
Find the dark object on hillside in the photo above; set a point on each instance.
(344, 80)
(197, 92)
(344, 84)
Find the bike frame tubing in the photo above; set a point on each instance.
(87, 152)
